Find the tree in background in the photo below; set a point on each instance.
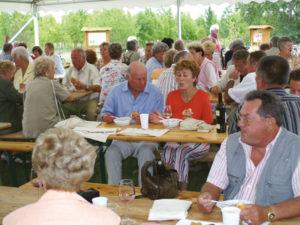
(210, 19)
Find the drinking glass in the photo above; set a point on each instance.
(167, 112)
(126, 195)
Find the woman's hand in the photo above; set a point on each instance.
(204, 202)
(154, 117)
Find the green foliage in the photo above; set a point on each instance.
(72, 24)
(153, 26)
(233, 26)
(210, 18)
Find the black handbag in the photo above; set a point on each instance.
(162, 184)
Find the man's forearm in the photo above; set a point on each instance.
(212, 189)
(287, 209)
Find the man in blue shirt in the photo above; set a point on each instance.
(134, 95)
(157, 60)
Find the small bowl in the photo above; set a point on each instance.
(122, 121)
(171, 122)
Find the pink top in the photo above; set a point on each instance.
(61, 208)
(208, 75)
(218, 173)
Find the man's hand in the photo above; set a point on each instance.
(204, 202)
(254, 214)
(108, 118)
(154, 117)
(78, 85)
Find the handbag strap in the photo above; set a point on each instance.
(57, 104)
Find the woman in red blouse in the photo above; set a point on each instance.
(187, 101)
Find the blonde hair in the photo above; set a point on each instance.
(63, 159)
(42, 65)
(6, 66)
(208, 47)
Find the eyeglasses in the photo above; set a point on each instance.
(247, 120)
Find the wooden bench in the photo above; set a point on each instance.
(16, 145)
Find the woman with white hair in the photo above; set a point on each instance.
(42, 99)
(63, 160)
(24, 74)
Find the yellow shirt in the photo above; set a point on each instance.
(20, 79)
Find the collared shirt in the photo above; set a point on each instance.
(208, 75)
(152, 64)
(121, 102)
(218, 173)
(111, 75)
(167, 82)
(238, 92)
(88, 75)
(26, 79)
(63, 208)
(6, 56)
(59, 68)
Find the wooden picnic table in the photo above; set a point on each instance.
(4, 125)
(138, 209)
(174, 135)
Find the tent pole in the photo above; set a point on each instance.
(179, 19)
(21, 30)
(36, 25)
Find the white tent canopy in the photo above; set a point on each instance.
(56, 5)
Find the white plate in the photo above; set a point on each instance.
(188, 222)
(222, 204)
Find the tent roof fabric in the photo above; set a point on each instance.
(66, 5)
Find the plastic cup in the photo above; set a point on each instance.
(144, 121)
(231, 215)
(100, 201)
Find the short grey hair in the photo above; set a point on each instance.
(180, 55)
(63, 159)
(42, 65)
(159, 47)
(20, 52)
(80, 51)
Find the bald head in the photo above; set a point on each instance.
(137, 78)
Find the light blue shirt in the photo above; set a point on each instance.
(152, 64)
(59, 68)
(121, 102)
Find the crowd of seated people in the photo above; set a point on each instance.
(261, 88)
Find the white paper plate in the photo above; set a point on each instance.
(188, 222)
(222, 204)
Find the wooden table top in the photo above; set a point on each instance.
(79, 94)
(4, 125)
(138, 209)
(174, 135)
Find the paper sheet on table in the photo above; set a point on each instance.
(189, 222)
(77, 122)
(169, 209)
(139, 131)
(97, 134)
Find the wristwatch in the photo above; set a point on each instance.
(271, 215)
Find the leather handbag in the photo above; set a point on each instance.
(162, 184)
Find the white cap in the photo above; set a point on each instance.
(130, 38)
(214, 27)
